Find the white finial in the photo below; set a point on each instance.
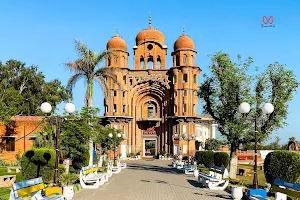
(117, 31)
(183, 30)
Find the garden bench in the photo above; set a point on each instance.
(244, 171)
(180, 165)
(122, 165)
(90, 178)
(32, 187)
(189, 169)
(216, 179)
(9, 169)
(284, 188)
(114, 169)
(7, 180)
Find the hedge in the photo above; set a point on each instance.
(221, 159)
(205, 157)
(282, 165)
(39, 158)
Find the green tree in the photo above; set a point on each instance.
(23, 89)
(230, 84)
(86, 67)
(212, 144)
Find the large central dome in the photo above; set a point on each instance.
(150, 34)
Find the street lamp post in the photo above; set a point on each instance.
(267, 109)
(46, 108)
(111, 136)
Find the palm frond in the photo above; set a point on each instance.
(77, 66)
(102, 56)
(81, 49)
(103, 85)
(72, 81)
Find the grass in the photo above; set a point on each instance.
(246, 180)
(4, 192)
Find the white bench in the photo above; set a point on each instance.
(180, 165)
(90, 178)
(32, 187)
(216, 179)
(122, 165)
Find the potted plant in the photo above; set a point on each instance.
(67, 181)
(237, 190)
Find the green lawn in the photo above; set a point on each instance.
(4, 192)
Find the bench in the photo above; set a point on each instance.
(9, 169)
(216, 179)
(284, 188)
(189, 169)
(244, 171)
(32, 187)
(7, 180)
(114, 169)
(180, 165)
(122, 165)
(90, 178)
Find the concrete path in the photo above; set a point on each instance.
(150, 180)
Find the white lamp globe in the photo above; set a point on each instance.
(110, 135)
(119, 135)
(46, 107)
(268, 108)
(183, 136)
(244, 107)
(70, 108)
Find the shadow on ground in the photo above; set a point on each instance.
(154, 168)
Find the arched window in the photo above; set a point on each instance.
(193, 60)
(175, 108)
(108, 62)
(115, 59)
(142, 62)
(106, 108)
(185, 59)
(150, 62)
(123, 62)
(195, 78)
(177, 60)
(194, 108)
(158, 62)
(174, 79)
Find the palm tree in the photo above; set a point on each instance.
(86, 67)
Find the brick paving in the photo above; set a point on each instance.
(150, 180)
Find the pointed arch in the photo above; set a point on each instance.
(150, 62)
(142, 62)
(158, 62)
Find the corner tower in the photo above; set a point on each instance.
(150, 51)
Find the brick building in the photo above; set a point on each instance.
(155, 105)
(13, 142)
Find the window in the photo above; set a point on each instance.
(124, 94)
(185, 93)
(184, 128)
(123, 62)
(185, 78)
(150, 62)
(176, 128)
(108, 62)
(193, 60)
(115, 59)
(124, 79)
(174, 79)
(106, 108)
(150, 111)
(10, 143)
(130, 82)
(175, 108)
(184, 108)
(195, 78)
(177, 60)
(115, 93)
(150, 47)
(142, 62)
(185, 59)
(115, 108)
(194, 107)
(158, 62)
(124, 108)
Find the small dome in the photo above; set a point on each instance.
(150, 34)
(184, 42)
(116, 43)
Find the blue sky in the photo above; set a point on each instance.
(42, 32)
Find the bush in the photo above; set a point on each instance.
(205, 157)
(82, 161)
(39, 163)
(282, 165)
(221, 159)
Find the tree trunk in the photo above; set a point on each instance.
(233, 162)
(90, 104)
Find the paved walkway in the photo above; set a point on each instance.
(150, 180)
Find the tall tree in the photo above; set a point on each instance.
(23, 89)
(87, 67)
(230, 84)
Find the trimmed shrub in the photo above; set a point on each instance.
(221, 159)
(205, 157)
(282, 165)
(39, 163)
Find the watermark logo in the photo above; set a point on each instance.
(268, 22)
